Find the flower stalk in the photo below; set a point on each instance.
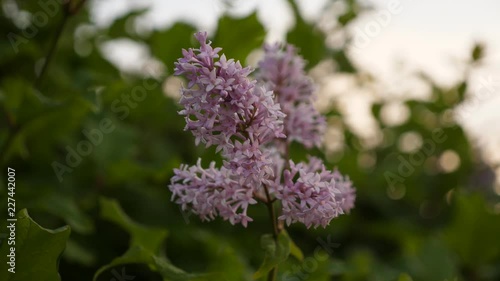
(270, 207)
(252, 122)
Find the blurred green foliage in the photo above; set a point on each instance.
(427, 225)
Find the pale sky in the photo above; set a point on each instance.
(431, 35)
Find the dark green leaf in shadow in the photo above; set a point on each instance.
(473, 220)
(276, 252)
(145, 245)
(294, 249)
(63, 206)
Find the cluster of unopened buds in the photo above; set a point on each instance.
(252, 122)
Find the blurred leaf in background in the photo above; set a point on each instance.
(115, 137)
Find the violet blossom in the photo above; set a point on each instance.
(313, 195)
(211, 192)
(249, 122)
(221, 103)
(283, 71)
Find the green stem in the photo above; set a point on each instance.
(68, 11)
(53, 45)
(270, 207)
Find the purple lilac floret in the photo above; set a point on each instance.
(221, 103)
(247, 123)
(283, 71)
(313, 195)
(223, 107)
(212, 192)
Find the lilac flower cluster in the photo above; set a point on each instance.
(221, 102)
(313, 195)
(211, 192)
(223, 107)
(283, 71)
(247, 123)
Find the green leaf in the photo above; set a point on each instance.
(477, 52)
(239, 36)
(124, 26)
(37, 251)
(343, 61)
(223, 256)
(404, 277)
(77, 253)
(167, 45)
(350, 14)
(63, 206)
(294, 249)
(137, 254)
(472, 220)
(172, 273)
(276, 252)
(429, 259)
(34, 115)
(309, 40)
(145, 237)
(145, 245)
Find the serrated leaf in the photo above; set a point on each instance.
(276, 253)
(37, 251)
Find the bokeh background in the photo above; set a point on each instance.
(391, 75)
